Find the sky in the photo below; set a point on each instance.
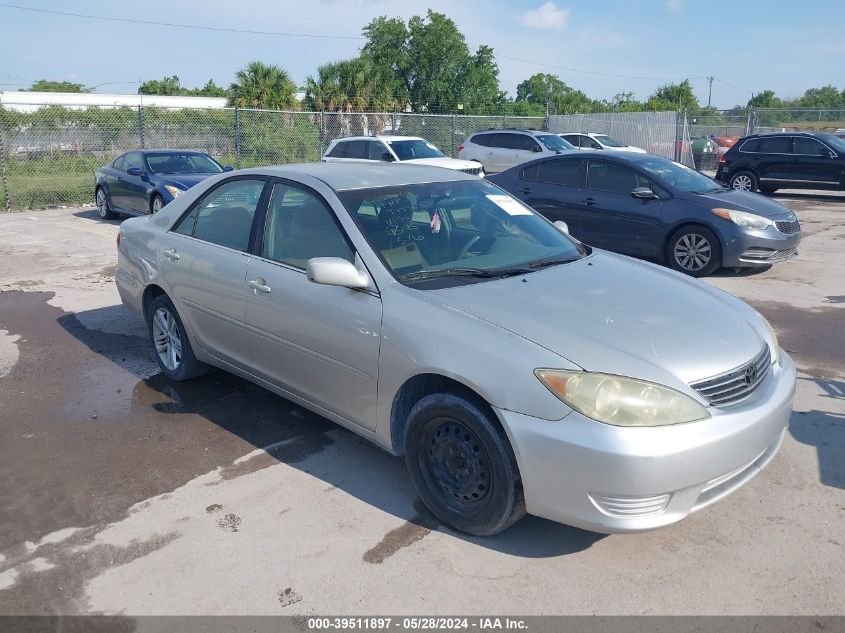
(602, 47)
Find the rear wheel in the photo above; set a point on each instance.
(694, 250)
(170, 341)
(743, 181)
(462, 465)
(103, 206)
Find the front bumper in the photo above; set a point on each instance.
(746, 248)
(613, 479)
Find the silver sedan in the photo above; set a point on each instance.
(516, 369)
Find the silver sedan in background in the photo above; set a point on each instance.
(516, 369)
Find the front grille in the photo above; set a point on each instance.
(738, 384)
(473, 171)
(788, 227)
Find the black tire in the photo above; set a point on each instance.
(101, 199)
(187, 366)
(694, 250)
(156, 198)
(744, 181)
(462, 465)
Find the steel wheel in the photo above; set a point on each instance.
(168, 343)
(456, 466)
(693, 252)
(742, 182)
(158, 203)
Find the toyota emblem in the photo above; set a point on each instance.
(750, 375)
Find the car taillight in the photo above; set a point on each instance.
(722, 158)
(118, 239)
(461, 148)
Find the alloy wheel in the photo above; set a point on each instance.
(692, 252)
(168, 343)
(742, 183)
(157, 205)
(102, 205)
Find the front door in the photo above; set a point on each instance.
(611, 218)
(318, 342)
(813, 162)
(135, 188)
(204, 260)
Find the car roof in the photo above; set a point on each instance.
(166, 150)
(620, 156)
(507, 130)
(383, 137)
(351, 174)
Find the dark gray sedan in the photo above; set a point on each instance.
(644, 205)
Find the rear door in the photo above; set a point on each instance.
(552, 188)
(609, 217)
(204, 260)
(813, 161)
(774, 158)
(337, 153)
(317, 342)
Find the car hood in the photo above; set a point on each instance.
(184, 181)
(745, 201)
(445, 161)
(613, 314)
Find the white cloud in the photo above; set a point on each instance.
(546, 17)
(675, 6)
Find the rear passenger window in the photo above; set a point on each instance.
(356, 149)
(752, 145)
(574, 139)
(530, 173)
(485, 140)
(562, 171)
(338, 151)
(774, 145)
(224, 216)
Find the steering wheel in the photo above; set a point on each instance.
(465, 251)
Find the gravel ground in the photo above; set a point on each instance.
(122, 493)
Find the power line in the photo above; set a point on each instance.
(735, 87)
(591, 72)
(178, 25)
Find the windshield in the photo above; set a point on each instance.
(182, 164)
(679, 176)
(608, 141)
(834, 141)
(456, 232)
(554, 143)
(409, 150)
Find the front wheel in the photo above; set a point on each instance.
(743, 181)
(694, 250)
(170, 342)
(462, 465)
(103, 206)
(157, 204)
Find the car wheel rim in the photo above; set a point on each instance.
(156, 205)
(693, 252)
(101, 203)
(742, 183)
(168, 343)
(455, 466)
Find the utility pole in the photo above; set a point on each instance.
(710, 91)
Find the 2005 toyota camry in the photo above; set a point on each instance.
(516, 369)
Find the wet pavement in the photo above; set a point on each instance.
(121, 492)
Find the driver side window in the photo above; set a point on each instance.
(614, 178)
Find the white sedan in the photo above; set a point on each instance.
(592, 140)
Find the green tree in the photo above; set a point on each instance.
(350, 85)
(164, 86)
(261, 85)
(824, 97)
(210, 89)
(624, 102)
(543, 88)
(673, 97)
(765, 99)
(46, 85)
(428, 64)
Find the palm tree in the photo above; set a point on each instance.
(263, 86)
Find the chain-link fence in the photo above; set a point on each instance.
(48, 156)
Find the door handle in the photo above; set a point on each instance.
(525, 190)
(259, 285)
(171, 254)
(590, 201)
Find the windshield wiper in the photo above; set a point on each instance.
(463, 272)
(550, 261)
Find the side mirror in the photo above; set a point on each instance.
(135, 171)
(831, 154)
(644, 193)
(562, 226)
(228, 168)
(387, 157)
(536, 148)
(334, 271)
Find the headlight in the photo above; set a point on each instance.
(174, 191)
(621, 401)
(741, 218)
(774, 338)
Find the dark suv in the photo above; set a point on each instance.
(793, 160)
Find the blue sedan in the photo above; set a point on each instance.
(647, 206)
(143, 181)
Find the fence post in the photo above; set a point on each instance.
(677, 152)
(748, 124)
(237, 138)
(393, 122)
(141, 125)
(452, 150)
(322, 137)
(6, 197)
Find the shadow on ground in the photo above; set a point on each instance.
(297, 437)
(825, 430)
